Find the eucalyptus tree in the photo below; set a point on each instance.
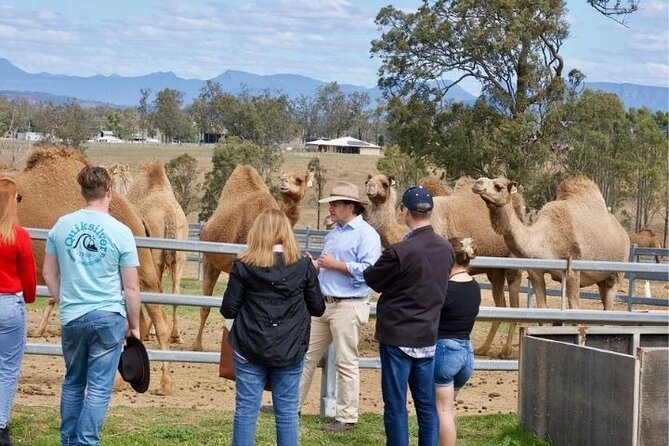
(511, 47)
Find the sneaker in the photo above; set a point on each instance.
(267, 408)
(4, 437)
(338, 426)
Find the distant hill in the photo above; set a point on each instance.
(124, 91)
(636, 96)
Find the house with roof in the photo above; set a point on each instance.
(345, 144)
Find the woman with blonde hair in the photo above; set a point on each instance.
(17, 287)
(272, 293)
(454, 356)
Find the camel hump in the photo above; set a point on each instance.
(464, 182)
(578, 186)
(646, 231)
(154, 171)
(436, 187)
(244, 179)
(54, 153)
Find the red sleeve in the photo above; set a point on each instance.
(26, 266)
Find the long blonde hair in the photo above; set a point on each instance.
(8, 215)
(270, 228)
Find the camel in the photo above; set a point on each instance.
(436, 187)
(293, 186)
(460, 214)
(244, 196)
(121, 178)
(647, 238)
(576, 226)
(49, 189)
(151, 194)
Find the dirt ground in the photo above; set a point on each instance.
(198, 386)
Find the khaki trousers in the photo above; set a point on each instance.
(340, 324)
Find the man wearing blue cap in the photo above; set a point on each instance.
(411, 276)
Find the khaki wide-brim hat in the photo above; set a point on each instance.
(344, 191)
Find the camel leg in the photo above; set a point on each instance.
(539, 285)
(573, 286)
(161, 325)
(209, 276)
(176, 271)
(513, 278)
(44, 322)
(608, 289)
(496, 278)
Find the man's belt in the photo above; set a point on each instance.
(334, 299)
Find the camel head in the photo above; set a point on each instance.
(294, 184)
(377, 187)
(121, 178)
(495, 192)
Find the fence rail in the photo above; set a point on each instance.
(486, 313)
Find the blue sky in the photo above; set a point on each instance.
(325, 39)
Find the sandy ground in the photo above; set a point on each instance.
(198, 386)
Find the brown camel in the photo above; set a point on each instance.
(151, 194)
(244, 196)
(460, 214)
(647, 238)
(121, 178)
(436, 187)
(49, 189)
(577, 226)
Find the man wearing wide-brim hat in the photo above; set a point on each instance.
(348, 249)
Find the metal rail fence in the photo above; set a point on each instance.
(328, 390)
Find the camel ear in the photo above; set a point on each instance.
(369, 176)
(391, 180)
(310, 178)
(512, 187)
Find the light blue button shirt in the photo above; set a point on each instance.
(359, 246)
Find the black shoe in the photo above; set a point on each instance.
(338, 426)
(4, 437)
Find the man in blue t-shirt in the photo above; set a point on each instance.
(90, 268)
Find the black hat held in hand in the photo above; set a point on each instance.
(134, 365)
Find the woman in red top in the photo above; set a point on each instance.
(17, 287)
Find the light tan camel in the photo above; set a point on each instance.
(121, 177)
(577, 226)
(50, 190)
(293, 186)
(244, 196)
(647, 238)
(460, 214)
(151, 194)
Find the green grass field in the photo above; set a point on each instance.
(127, 426)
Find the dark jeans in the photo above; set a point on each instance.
(397, 371)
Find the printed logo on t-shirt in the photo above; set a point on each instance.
(86, 244)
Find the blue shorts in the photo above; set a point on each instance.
(453, 362)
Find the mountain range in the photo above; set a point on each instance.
(124, 91)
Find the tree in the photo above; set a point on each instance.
(168, 116)
(407, 170)
(227, 155)
(69, 123)
(319, 182)
(510, 46)
(614, 8)
(305, 112)
(183, 175)
(145, 110)
(335, 116)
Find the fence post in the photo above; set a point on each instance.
(329, 384)
(631, 278)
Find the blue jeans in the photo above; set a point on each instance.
(249, 386)
(397, 370)
(12, 346)
(453, 362)
(92, 346)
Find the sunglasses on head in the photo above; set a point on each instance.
(19, 197)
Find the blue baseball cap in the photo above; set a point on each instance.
(418, 199)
